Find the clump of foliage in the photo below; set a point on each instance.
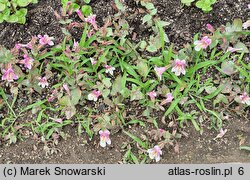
(205, 5)
(92, 81)
(14, 11)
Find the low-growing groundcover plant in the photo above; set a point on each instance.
(14, 11)
(91, 82)
(205, 5)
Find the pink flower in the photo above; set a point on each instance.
(104, 138)
(90, 33)
(245, 99)
(159, 71)
(155, 153)
(52, 96)
(66, 88)
(221, 134)
(9, 75)
(58, 120)
(76, 47)
(43, 40)
(79, 13)
(161, 131)
(179, 67)
(109, 69)
(210, 28)
(18, 46)
(27, 61)
(91, 19)
(93, 61)
(152, 95)
(248, 6)
(246, 24)
(43, 82)
(169, 97)
(231, 49)
(93, 96)
(202, 44)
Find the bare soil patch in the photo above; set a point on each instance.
(185, 22)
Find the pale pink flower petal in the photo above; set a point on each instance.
(44, 40)
(221, 134)
(93, 96)
(246, 24)
(152, 95)
(179, 67)
(92, 20)
(169, 97)
(79, 13)
(104, 138)
(210, 28)
(9, 75)
(43, 82)
(155, 153)
(245, 99)
(202, 44)
(109, 69)
(93, 61)
(159, 71)
(27, 61)
(231, 49)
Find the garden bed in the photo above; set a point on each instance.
(192, 147)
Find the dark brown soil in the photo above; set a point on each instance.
(185, 22)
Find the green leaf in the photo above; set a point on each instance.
(87, 1)
(2, 6)
(107, 82)
(228, 67)
(13, 18)
(150, 6)
(119, 5)
(210, 89)
(242, 46)
(152, 48)
(245, 148)
(143, 69)
(117, 86)
(136, 139)
(86, 10)
(22, 3)
(75, 96)
(146, 18)
(187, 2)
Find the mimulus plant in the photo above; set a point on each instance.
(202, 44)
(104, 138)
(9, 74)
(179, 67)
(155, 153)
(245, 99)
